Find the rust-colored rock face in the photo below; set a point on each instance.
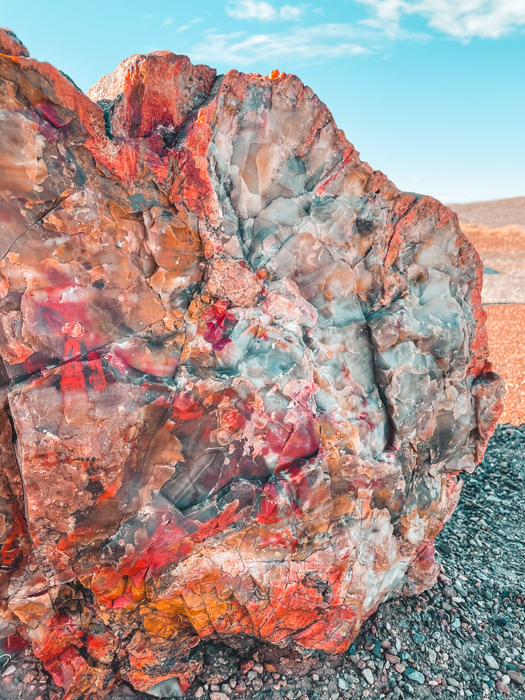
(243, 371)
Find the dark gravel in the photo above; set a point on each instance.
(465, 637)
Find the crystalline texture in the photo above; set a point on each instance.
(242, 371)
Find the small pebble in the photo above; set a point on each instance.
(343, 685)
(247, 666)
(502, 688)
(516, 677)
(491, 661)
(414, 675)
(368, 676)
(30, 677)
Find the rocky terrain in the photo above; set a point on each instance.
(465, 637)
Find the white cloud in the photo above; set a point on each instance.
(262, 11)
(252, 9)
(302, 44)
(463, 19)
(187, 26)
(167, 21)
(290, 12)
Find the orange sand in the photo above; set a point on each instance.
(508, 239)
(505, 322)
(506, 329)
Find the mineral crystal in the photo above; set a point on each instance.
(243, 371)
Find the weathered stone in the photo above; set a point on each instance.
(10, 44)
(516, 677)
(491, 661)
(414, 675)
(244, 370)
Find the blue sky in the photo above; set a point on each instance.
(431, 92)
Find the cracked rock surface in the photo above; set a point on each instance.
(243, 372)
(473, 615)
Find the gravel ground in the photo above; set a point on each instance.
(465, 637)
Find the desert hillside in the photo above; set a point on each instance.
(494, 214)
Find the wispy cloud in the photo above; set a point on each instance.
(184, 27)
(262, 11)
(291, 12)
(167, 21)
(302, 44)
(462, 19)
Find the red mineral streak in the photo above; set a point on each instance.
(243, 371)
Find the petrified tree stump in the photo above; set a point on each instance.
(242, 371)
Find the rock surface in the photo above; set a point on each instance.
(480, 551)
(243, 372)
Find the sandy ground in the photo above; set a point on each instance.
(506, 329)
(503, 253)
(496, 213)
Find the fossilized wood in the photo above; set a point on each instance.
(243, 370)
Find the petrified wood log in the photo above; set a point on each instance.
(242, 371)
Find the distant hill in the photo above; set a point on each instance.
(493, 214)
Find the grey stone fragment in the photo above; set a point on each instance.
(368, 676)
(414, 675)
(491, 662)
(516, 677)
